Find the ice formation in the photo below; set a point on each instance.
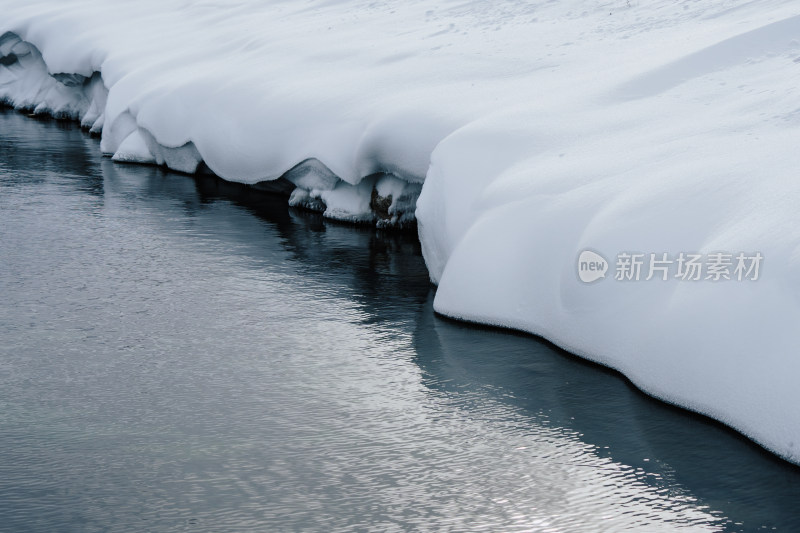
(530, 131)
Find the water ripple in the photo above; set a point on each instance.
(177, 359)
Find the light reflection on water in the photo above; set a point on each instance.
(180, 354)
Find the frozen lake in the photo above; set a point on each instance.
(185, 355)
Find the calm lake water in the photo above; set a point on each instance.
(186, 355)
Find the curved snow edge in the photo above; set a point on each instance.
(384, 198)
(654, 392)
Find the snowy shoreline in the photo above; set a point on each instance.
(381, 198)
(517, 136)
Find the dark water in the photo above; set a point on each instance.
(182, 355)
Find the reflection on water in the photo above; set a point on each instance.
(182, 354)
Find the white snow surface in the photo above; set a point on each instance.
(539, 129)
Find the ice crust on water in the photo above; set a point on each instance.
(533, 130)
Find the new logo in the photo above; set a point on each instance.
(591, 266)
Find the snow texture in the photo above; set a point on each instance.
(534, 130)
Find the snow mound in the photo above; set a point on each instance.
(134, 149)
(519, 133)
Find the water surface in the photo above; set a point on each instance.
(182, 354)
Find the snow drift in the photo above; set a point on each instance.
(530, 132)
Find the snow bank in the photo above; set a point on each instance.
(534, 131)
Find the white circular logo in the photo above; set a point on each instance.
(591, 266)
